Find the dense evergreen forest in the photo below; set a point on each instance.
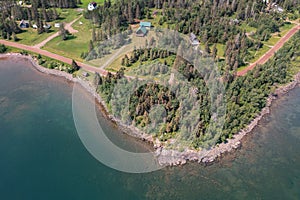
(214, 22)
(245, 97)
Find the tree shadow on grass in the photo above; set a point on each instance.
(71, 37)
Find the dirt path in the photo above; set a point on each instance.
(54, 56)
(68, 27)
(36, 49)
(264, 58)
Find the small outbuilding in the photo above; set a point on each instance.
(145, 24)
(278, 9)
(57, 25)
(24, 24)
(47, 26)
(141, 31)
(92, 6)
(193, 39)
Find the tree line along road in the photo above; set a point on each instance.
(263, 59)
(53, 56)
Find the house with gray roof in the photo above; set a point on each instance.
(141, 31)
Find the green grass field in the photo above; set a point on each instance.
(247, 28)
(115, 55)
(276, 37)
(73, 48)
(220, 48)
(29, 36)
(67, 15)
(259, 53)
(271, 42)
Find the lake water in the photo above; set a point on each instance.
(42, 157)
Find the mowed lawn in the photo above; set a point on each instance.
(271, 42)
(73, 47)
(29, 36)
(277, 36)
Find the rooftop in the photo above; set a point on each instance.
(145, 24)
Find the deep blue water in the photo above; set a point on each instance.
(42, 157)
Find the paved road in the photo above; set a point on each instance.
(271, 52)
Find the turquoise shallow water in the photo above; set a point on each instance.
(42, 157)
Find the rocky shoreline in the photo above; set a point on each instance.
(168, 156)
(172, 157)
(130, 130)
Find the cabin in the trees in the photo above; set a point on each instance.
(47, 26)
(147, 25)
(92, 6)
(271, 6)
(24, 24)
(141, 31)
(193, 39)
(277, 8)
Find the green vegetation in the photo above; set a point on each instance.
(258, 53)
(31, 37)
(239, 34)
(73, 47)
(3, 48)
(231, 33)
(34, 13)
(44, 61)
(245, 96)
(54, 64)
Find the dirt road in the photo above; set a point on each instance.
(54, 56)
(104, 72)
(68, 27)
(271, 52)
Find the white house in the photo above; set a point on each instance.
(46, 26)
(278, 9)
(92, 6)
(193, 39)
(57, 25)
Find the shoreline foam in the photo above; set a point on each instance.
(167, 156)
